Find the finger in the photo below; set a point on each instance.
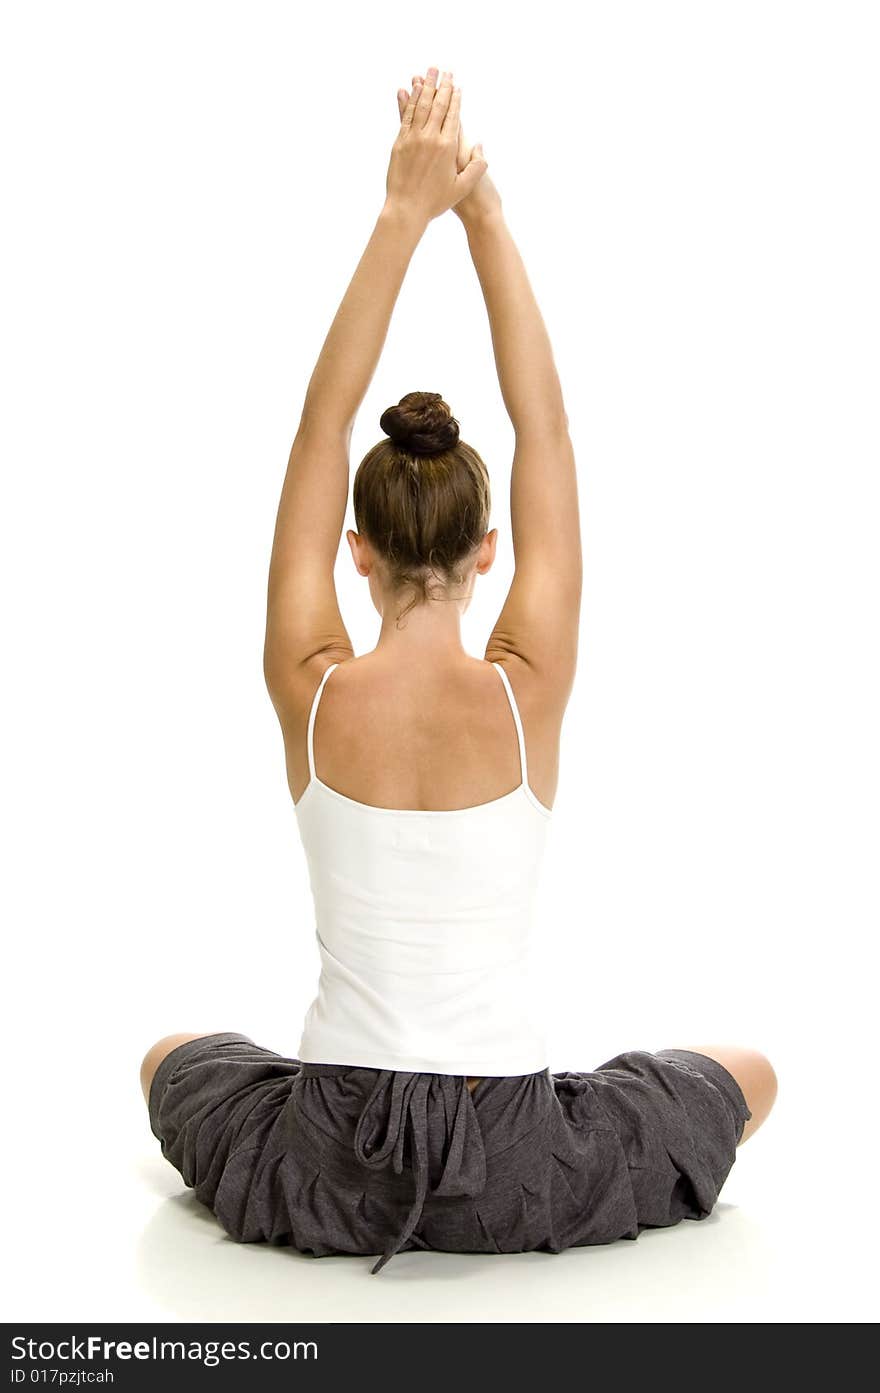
(403, 94)
(453, 114)
(470, 176)
(409, 110)
(426, 98)
(441, 104)
(414, 96)
(463, 152)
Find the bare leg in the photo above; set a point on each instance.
(753, 1072)
(156, 1053)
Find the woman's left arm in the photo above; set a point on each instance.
(303, 616)
(303, 619)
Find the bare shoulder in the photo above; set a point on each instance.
(541, 697)
(542, 687)
(292, 691)
(292, 699)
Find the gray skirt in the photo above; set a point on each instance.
(337, 1159)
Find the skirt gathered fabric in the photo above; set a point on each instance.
(335, 1159)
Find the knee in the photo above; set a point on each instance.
(755, 1075)
(766, 1071)
(757, 1078)
(765, 1084)
(156, 1053)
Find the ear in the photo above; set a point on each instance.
(486, 554)
(360, 552)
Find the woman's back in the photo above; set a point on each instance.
(424, 916)
(416, 729)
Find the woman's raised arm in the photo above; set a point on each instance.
(303, 619)
(539, 620)
(302, 611)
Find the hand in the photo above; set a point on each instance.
(423, 173)
(484, 197)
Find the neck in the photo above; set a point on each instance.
(430, 631)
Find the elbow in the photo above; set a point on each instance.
(542, 425)
(320, 420)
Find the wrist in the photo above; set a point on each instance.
(477, 220)
(403, 217)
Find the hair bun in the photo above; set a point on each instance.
(421, 424)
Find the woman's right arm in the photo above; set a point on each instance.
(539, 620)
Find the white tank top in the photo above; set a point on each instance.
(423, 924)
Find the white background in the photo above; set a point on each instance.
(188, 189)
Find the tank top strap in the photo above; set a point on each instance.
(524, 769)
(310, 737)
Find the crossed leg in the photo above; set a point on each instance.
(753, 1072)
(156, 1053)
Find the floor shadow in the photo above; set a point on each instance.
(193, 1271)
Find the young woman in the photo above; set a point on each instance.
(420, 1111)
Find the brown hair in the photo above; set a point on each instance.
(422, 497)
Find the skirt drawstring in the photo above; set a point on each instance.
(399, 1103)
